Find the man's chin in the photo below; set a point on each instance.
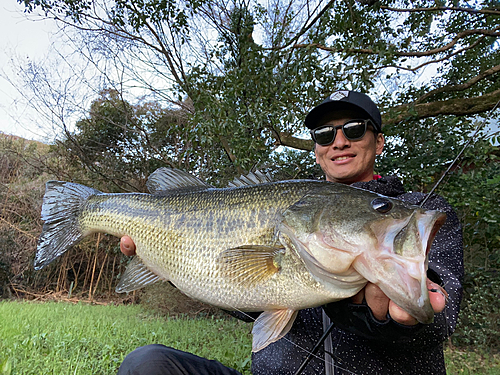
(341, 178)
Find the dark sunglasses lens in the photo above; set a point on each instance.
(324, 136)
(354, 130)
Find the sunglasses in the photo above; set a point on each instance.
(352, 130)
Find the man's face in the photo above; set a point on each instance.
(348, 161)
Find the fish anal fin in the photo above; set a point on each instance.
(250, 263)
(271, 326)
(136, 276)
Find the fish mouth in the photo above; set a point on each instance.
(427, 225)
(400, 270)
(438, 223)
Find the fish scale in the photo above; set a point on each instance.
(271, 247)
(191, 243)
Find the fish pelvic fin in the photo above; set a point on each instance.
(62, 205)
(250, 263)
(136, 276)
(271, 326)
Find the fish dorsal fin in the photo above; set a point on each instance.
(135, 277)
(252, 178)
(271, 326)
(250, 263)
(166, 180)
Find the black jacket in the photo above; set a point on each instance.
(363, 345)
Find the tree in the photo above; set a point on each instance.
(316, 47)
(125, 143)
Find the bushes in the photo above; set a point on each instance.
(480, 316)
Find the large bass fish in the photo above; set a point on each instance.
(275, 247)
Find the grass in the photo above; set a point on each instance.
(471, 362)
(62, 338)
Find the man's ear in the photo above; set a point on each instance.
(316, 153)
(380, 142)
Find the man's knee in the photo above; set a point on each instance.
(159, 359)
(150, 359)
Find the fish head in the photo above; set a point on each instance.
(341, 230)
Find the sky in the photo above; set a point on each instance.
(25, 39)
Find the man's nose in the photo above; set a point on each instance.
(341, 141)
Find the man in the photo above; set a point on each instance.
(371, 334)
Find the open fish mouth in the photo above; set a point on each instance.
(438, 223)
(427, 225)
(399, 268)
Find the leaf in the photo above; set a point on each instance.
(6, 367)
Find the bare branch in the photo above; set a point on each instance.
(306, 27)
(461, 87)
(443, 9)
(458, 107)
(369, 51)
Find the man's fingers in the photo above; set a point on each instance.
(380, 304)
(127, 246)
(437, 296)
(377, 301)
(401, 316)
(358, 298)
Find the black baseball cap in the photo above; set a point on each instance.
(345, 100)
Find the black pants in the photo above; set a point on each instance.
(162, 360)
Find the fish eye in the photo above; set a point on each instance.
(382, 205)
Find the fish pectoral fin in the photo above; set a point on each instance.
(136, 276)
(271, 326)
(250, 263)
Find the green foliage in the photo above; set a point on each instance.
(119, 145)
(63, 338)
(252, 71)
(471, 362)
(479, 318)
(419, 152)
(476, 193)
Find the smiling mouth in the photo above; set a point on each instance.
(342, 158)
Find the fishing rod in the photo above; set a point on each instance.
(330, 327)
(315, 349)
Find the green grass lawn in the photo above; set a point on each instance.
(63, 338)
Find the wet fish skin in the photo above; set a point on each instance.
(272, 247)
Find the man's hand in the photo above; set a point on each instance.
(127, 246)
(380, 304)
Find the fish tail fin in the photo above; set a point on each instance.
(61, 208)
